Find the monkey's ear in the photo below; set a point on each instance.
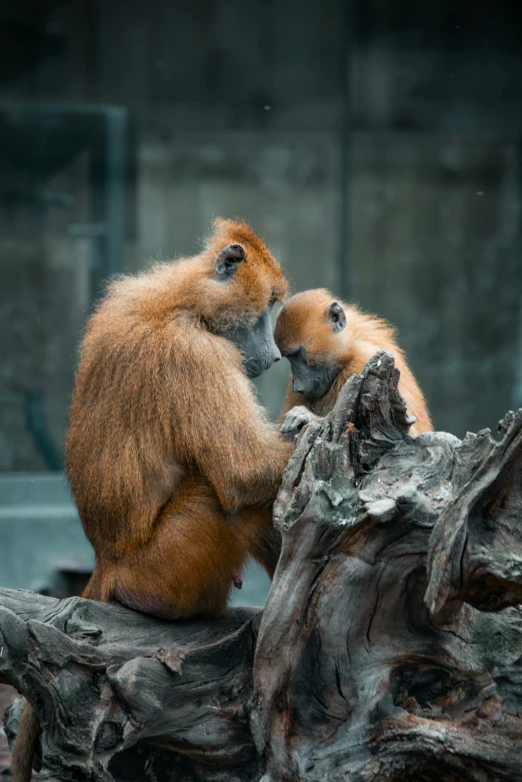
(336, 316)
(228, 258)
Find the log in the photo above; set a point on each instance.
(390, 647)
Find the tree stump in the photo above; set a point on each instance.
(390, 648)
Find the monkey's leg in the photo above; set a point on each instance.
(187, 567)
(262, 540)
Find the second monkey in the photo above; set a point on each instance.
(326, 343)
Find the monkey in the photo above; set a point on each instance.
(326, 343)
(172, 463)
(166, 444)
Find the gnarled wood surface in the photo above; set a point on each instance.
(390, 647)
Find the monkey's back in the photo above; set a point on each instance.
(120, 446)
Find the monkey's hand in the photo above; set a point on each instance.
(296, 418)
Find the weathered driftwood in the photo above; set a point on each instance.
(378, 657)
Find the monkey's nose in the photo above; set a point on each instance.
(276, 354)
(297, 386)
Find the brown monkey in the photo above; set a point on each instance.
(327, 342)
(166, 444)
(172, 463)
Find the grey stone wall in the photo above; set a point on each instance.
(240, 109)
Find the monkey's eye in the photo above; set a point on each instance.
(272, 302)
(300, 355)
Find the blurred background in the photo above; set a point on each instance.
(375, 145)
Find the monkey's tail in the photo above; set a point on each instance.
(99, 586)
(29, 729)
(25, 746)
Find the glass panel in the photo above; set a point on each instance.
(61, 212)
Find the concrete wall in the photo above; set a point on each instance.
(436, 235)
(238, 109)
(241, 109)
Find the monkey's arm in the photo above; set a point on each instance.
(291, 400)
(219, 425)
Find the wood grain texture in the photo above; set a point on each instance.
(389, 650)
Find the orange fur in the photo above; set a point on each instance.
(172, 462)
(303, 322)
(25, 747)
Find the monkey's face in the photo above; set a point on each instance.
(255, 278)
(239, 279)
(311, 378)
(308, 334)
(256, 343)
